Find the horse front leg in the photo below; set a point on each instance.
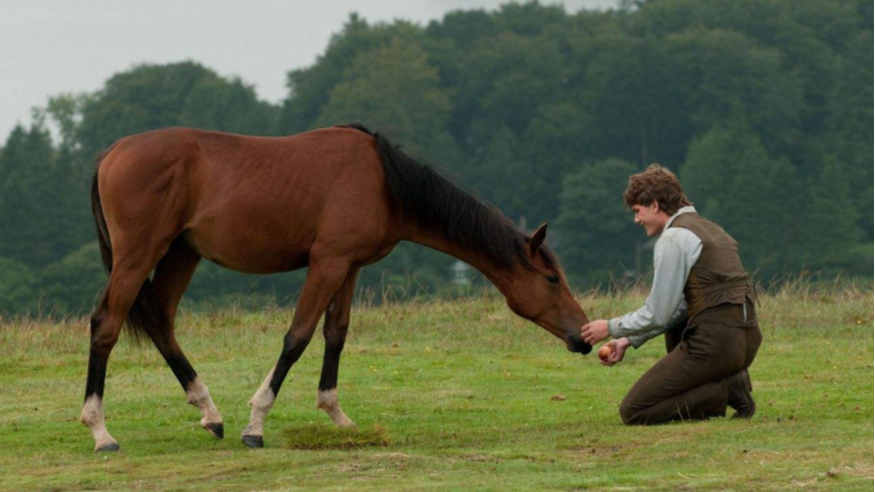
(324, 278)
(335, 328)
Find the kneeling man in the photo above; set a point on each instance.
(701, 299)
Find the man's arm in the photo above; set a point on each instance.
(678, 318)
(674, 256)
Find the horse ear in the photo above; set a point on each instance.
(538, 239)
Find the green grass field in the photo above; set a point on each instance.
(449, 395)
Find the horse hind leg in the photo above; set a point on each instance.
(172, 277)
(335, 329)
(105, 327)
(121, 291)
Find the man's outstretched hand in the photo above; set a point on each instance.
(595, 331)
(619, 345)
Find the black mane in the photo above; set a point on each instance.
(427, 198)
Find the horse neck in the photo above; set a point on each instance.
(499, 275)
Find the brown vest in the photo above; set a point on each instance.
(718, 277)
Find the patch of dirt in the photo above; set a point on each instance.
(316, 437)
(858, 471)
(598, 450)
(864, 470)
(480, 458)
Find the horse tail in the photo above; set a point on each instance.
(145, 316)
(99, 219)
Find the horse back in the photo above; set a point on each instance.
(253, 204)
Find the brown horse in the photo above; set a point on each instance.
(333, 200)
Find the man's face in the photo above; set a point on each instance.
(651, 218)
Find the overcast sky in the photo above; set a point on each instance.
(52, 46)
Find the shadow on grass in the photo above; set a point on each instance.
(316, 437)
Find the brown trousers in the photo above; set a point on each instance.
(691, 381)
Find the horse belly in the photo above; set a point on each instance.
(248, 251)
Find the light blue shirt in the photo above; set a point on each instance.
(674, 255)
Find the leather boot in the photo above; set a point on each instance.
(739, 395)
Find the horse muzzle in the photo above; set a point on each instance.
(577, 345)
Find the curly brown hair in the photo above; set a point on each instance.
(656, 183)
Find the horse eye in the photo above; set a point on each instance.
(553, 279)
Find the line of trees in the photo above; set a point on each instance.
(763, 108)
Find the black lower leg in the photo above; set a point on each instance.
(293, 347)
(330, 364)
(96, 374)
(335, 329)
(181, 368)
(98, 358)
(334, 341)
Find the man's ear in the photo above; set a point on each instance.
(537, 239)
(655, 206)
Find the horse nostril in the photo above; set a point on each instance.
(579, 346)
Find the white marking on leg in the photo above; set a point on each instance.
(327, 400)
(199, 396)
(261, 404)
(92, 416)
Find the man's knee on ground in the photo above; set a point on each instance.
(630, 414)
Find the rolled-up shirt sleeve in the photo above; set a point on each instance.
(674, 255)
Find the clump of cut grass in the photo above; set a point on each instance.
(319, 437)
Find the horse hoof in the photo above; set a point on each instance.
(217, 430)
(108, 448)
(253, 441)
